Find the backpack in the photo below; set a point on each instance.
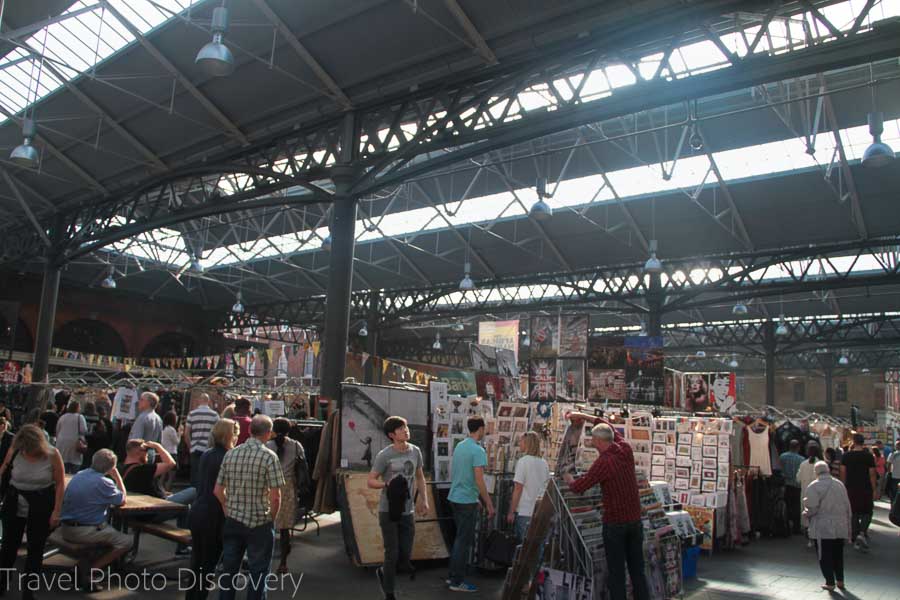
(397, 495)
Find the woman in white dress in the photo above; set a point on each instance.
(71, 430)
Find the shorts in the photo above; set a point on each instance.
(90, 534)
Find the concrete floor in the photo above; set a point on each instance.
(766, 569)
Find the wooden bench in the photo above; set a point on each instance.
(58, 545)
(165, 531)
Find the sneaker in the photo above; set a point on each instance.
(463, 587)
(856, 546)
(861, 540)
(810, 544)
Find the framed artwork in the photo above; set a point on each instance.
(683, 461)
(682, 472)
(573, 336)
(542, 380)
(659, 449)
(710, 451)
(684, 451)
(697, 452)
(670, 451)
(685, 439)
(659, 459)
(570, 380)
(708, 486)
(709, 463)
(544, 337)
(695, 482)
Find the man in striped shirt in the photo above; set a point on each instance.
(200, 422)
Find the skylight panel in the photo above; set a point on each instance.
(74, 46)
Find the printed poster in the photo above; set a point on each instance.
(542, 380)
(507, 363)
(573, 336)
(500, 334)
(606, 353)
(544, 337)
(489, 386)
(723, 392)
(484, 358)
(644, 372)
(606, 384)
(570, 380)
(696, 392)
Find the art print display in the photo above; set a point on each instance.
(570, 380)
(644, 374)
(606, 384)
(506, 363)
(606, 353)
(544, 337)
(573, 336)
(365, 407)
(696, 392)
(542, 380)
(484, 358)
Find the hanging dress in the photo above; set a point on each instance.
(759, 451)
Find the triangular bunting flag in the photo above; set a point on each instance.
(365, 358)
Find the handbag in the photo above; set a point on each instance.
(7, 476)
(501, 547)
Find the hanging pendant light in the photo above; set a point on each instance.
(540, 210)
(363, 331)
(526, 341)
(437, 341)
(215, 58)
(196, 265)
(26, 155)
(782, 329)
(701, 354)
(326, 243)
(653, 265)
(733, 363)
(843, 360)
(458, 327)
(238, 306)
(878, 154)
(466, 284)
(110, 282)
(740, 309)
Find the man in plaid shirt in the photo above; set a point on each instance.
(249, 488)
(623, 533)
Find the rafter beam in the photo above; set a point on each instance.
(18, 194)
(298, 47)
(471, 31)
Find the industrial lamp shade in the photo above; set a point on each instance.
(843, 360)
(781, 330)
(215, 58)
(733, 363)
(196, 265)
(540, 210)
(238, 306)
(701, 354)
(326, 243)
(437, 341)
(25, 155)
(740, 309)
(878, 154)
(653, 266)
(363, 332)
(109, 283)
(466, 284)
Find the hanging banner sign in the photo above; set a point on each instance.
(500, 334)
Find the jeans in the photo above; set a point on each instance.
(195, 468)
(521, 528)
(258, 542)
(892, 486)
(398, 542)
(186, 497)
(831, 560)
(624, 542)
(792, 500)
(37, 527)
(465, 516)
(206, 540)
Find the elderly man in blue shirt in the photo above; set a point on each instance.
(89, 494)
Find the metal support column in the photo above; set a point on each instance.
(46, 319)
(372, 338)
(655, 300)
(769, 345)
(829, 389)
(340, 273)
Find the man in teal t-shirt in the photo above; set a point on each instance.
(467, 484)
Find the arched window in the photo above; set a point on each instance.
(89, 335)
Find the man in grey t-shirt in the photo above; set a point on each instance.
(400, 459)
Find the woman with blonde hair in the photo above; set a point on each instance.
(207, 518)
(31, 504)
(532, 474)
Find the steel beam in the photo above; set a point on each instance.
(471, 31)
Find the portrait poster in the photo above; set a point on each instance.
(489, 386)
(606, 353)
(542, 380)
(570, 380)
(606, 384)
(723, 392)
(544, 337)
(506, 363)
(573, 336)
(644, 375)
(484, 358)
(696, 392)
